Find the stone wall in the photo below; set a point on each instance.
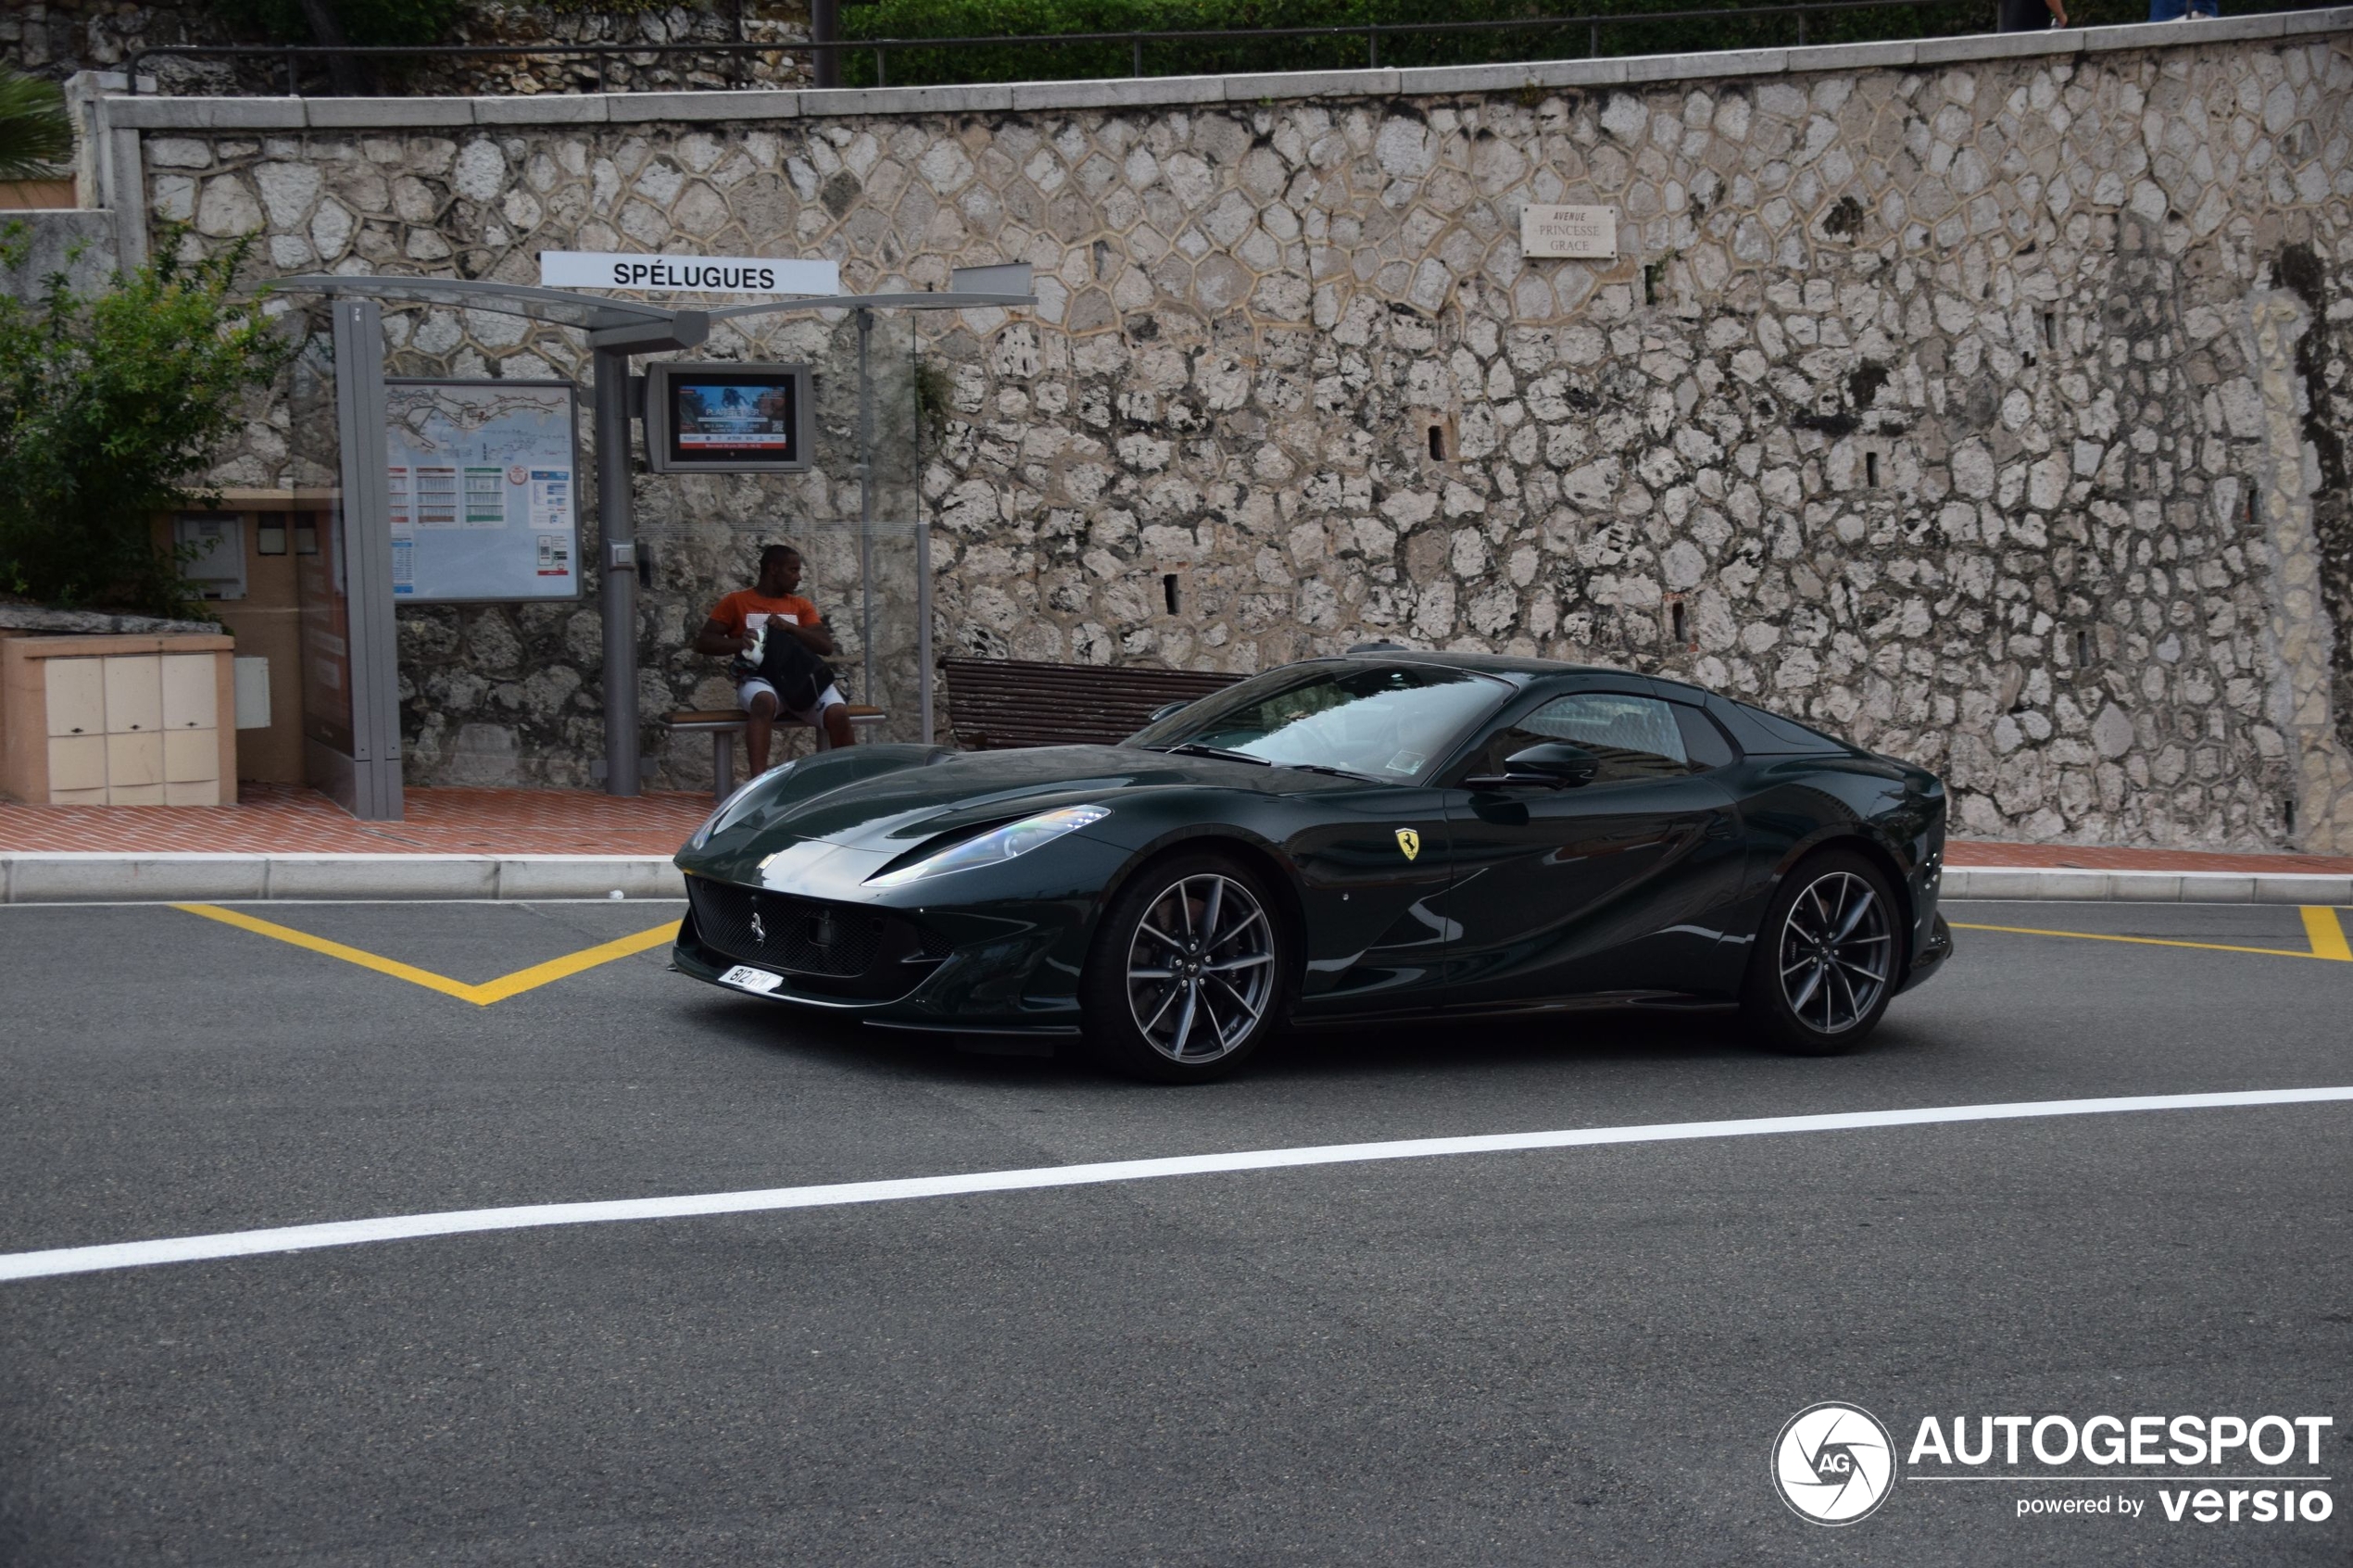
(1980, 400)
(57, 38)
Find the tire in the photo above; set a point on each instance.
(1190, 970)
(1827, 958)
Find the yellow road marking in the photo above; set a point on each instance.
(2161, 941)
(2327, 933)
(489, 991)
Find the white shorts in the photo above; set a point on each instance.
(830, 697)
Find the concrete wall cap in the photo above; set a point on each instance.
(334, 114)
(544, 108)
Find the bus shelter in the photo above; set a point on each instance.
(857, 510)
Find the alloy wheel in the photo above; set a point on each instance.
(1200, 967)
(1836, 952)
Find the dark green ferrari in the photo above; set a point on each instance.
(1374, 837)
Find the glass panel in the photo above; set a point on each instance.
(314, 468)
(861, 538)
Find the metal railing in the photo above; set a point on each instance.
(292, 55)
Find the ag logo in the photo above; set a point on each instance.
(1833, 1463)
(1409, 841)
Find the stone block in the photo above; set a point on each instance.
(2052, 42)
(545, 108)
(369, 114)
(382, 876)
(1892, 55)
(1119, 94)
(2197, 887)
(590, 876)
(978, 97)
(1311, 84)
(1549, 73)
(207, 114)
(2302, 888)
(1704, 67)
(632, 108)
(103, 878)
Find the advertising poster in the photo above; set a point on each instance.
(482, 485)
(730, 418)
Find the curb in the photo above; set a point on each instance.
(33, 878)
(30, 877)
(2027, 883)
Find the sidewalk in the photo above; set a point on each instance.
(280, 842)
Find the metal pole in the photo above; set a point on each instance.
(865, 506)
(371, 644)
(922, 544)
(825, 30)
(618, 565)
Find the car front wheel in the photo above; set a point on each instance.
(1186, 977)
(1824, 965)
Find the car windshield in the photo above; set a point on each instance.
(1390, 723)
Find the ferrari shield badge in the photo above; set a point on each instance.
(1409, 841)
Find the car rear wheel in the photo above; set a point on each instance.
(1187, 974)
(1824, 965)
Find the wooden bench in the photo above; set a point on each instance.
(997, 703)
(723, 724)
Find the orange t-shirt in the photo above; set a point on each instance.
(734, 611)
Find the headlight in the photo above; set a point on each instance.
(999, 845)
(739, 804)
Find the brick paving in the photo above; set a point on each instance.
(276, 818)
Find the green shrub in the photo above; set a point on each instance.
(1735, 25)
(109, 404)
(365, 22)
(35, 136)
(1735, 29)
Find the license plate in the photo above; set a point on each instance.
(743, 977)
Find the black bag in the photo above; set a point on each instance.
(786, 663)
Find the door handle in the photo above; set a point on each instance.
(1721, 825)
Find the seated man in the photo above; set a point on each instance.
(773, 603)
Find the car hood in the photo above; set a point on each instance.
(962, 792)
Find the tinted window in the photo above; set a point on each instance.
(1764, 733)
(1636, 737)
(1704, 742)
(1386, 721)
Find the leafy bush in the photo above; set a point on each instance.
(108, 404)
(365, 22)
(1733, 25)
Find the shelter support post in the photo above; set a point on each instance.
(866, 504)
(617, 557)
(365, 783)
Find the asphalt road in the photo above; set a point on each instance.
(1559, 1356)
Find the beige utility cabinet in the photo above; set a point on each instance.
(118, 720)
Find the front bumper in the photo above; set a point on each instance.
(1012, 968)
(1932, 955)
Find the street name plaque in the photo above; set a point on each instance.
(1584, 232)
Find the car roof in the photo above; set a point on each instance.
(1526, 670)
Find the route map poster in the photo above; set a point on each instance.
(482, 480)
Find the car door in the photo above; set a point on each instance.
(1612, 886)
(1373, 868)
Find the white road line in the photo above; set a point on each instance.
(404, 1227)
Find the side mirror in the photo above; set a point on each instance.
(1555, 764)
(1168, 708)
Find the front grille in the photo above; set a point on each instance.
(840, 947)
